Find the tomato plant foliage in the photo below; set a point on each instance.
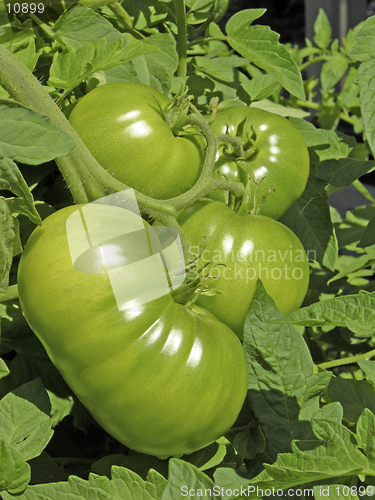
(213, 123)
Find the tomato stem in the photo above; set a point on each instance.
(347, 361)
(124, 19)
(179, 6)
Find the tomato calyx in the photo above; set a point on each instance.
(196, 282)
(176, 111)
(250, 204)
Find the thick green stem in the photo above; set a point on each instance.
(179, 7)
(347, 361)
(124, 19)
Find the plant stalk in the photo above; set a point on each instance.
(179, 7)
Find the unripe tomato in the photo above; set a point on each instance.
(245, 248)
(122, 125)
(278, 156)
(159, 377)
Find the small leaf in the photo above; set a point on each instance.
(14, 471)
(366, 435)
(368, 237)
(12, 180)
(243, 19)
(261, 87)
(215, 32)
(356, 312)
(71, 67)
(344, 171)
(353, 395)
(333, 70)
(29, 137)
(368, 367)
(4, 370)
(9, 237)
(184, 477)
(24, 422)
(80, 26)
(363, 52)
(261, 46)
(322, 29)
(309, 218)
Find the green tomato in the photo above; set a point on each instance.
(160, 378)
(123, 127)
(243, 248)
(278, 160)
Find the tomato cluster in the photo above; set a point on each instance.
(161, 377)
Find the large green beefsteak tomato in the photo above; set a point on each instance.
(161, 378)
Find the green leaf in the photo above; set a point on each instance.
(338, 455)
(261, 87)
(71, 67)
(283, 389)
(80, 26)
(334, 453)
(8, 237)
(353, 395)
(145, 13)
(183, 478)
(350, 231)
(220, 68)
(243, 19)
(12, 180)
(363, 52)
(368, 367)
(309, 218)
(356, 312)
(4, 370)
(279, 109)
(29, 137)
(333, 70)
(140, 464)
(215, 32)
(24, 419)
(366, 435)
(14, 471)
(322, 30)
(21, 41)
(155, 69)
(353, 265)
(368, 236)
(261, 46)
(124, 484)
(344, 171)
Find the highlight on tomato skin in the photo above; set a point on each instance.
(161, 378)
